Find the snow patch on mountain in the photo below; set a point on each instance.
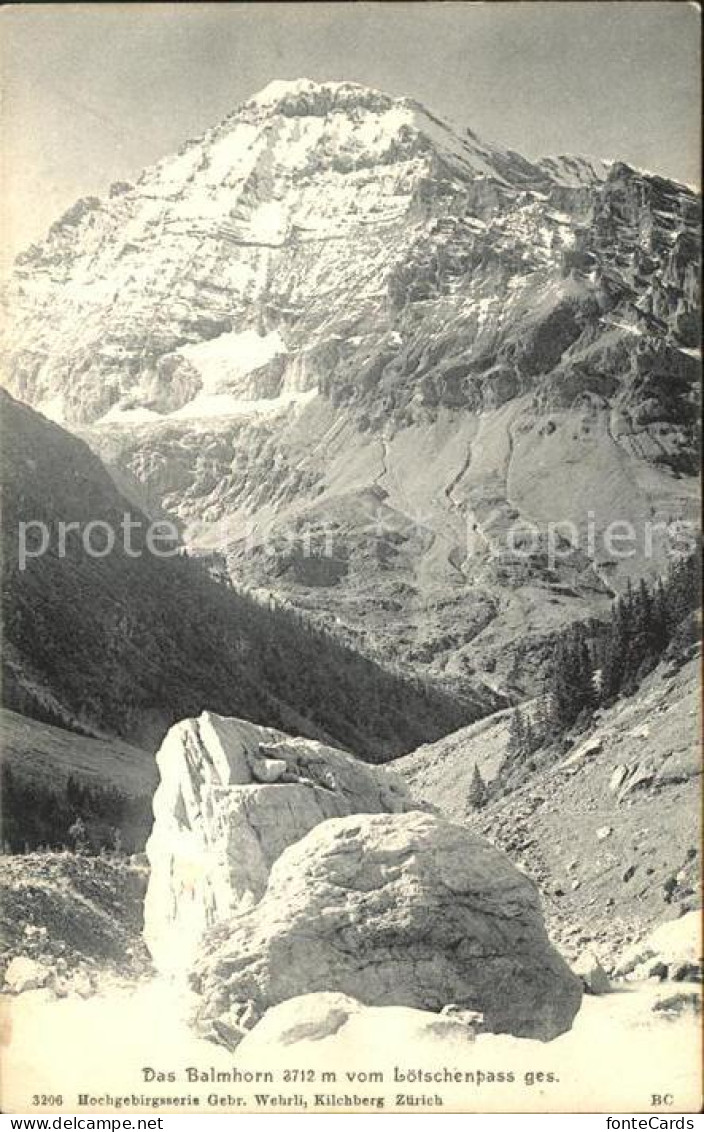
(120, 414)
(53, 408)
(223, 361)
(277, 89)
(225, 405)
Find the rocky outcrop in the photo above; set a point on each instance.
(69, 921)
(672, 951)
(643, 863)
(232, 797)
(592, 974)
(404, 909)
(25, 974)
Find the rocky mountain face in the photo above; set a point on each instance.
(350, 347)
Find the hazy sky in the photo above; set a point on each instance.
(92, 92)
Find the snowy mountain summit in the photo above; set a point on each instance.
(310, 200)
(335, 311)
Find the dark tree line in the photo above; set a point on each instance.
(71, 814)
(595, 663)
(120, 640)
(124, 645)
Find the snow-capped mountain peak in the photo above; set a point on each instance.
(312, 206)
(282, 90)
(334, 309)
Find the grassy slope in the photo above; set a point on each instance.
(39, 752)
(550, 824)
(440, 772)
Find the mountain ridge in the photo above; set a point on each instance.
(323, 325)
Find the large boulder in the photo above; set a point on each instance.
(232, 797)
(404, 909)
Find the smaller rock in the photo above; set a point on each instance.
(669, 886)
(267, 770)
(62, 988)
(337, 885)
(591, 747)
(227, 1034)
(687, 973)
(617, 778)
(245, 1015)
(659, 971)
(603, 832)
(81, 984)
(676, 1004)
(575, 885)
(24, 974)
(472, 1019)
(629, 873)
(590, 971)
(639, 780)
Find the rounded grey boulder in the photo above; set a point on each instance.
(393, 909)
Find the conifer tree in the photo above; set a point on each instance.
(530, 743)
(516, 735)
(477, 796)
(543, 722)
